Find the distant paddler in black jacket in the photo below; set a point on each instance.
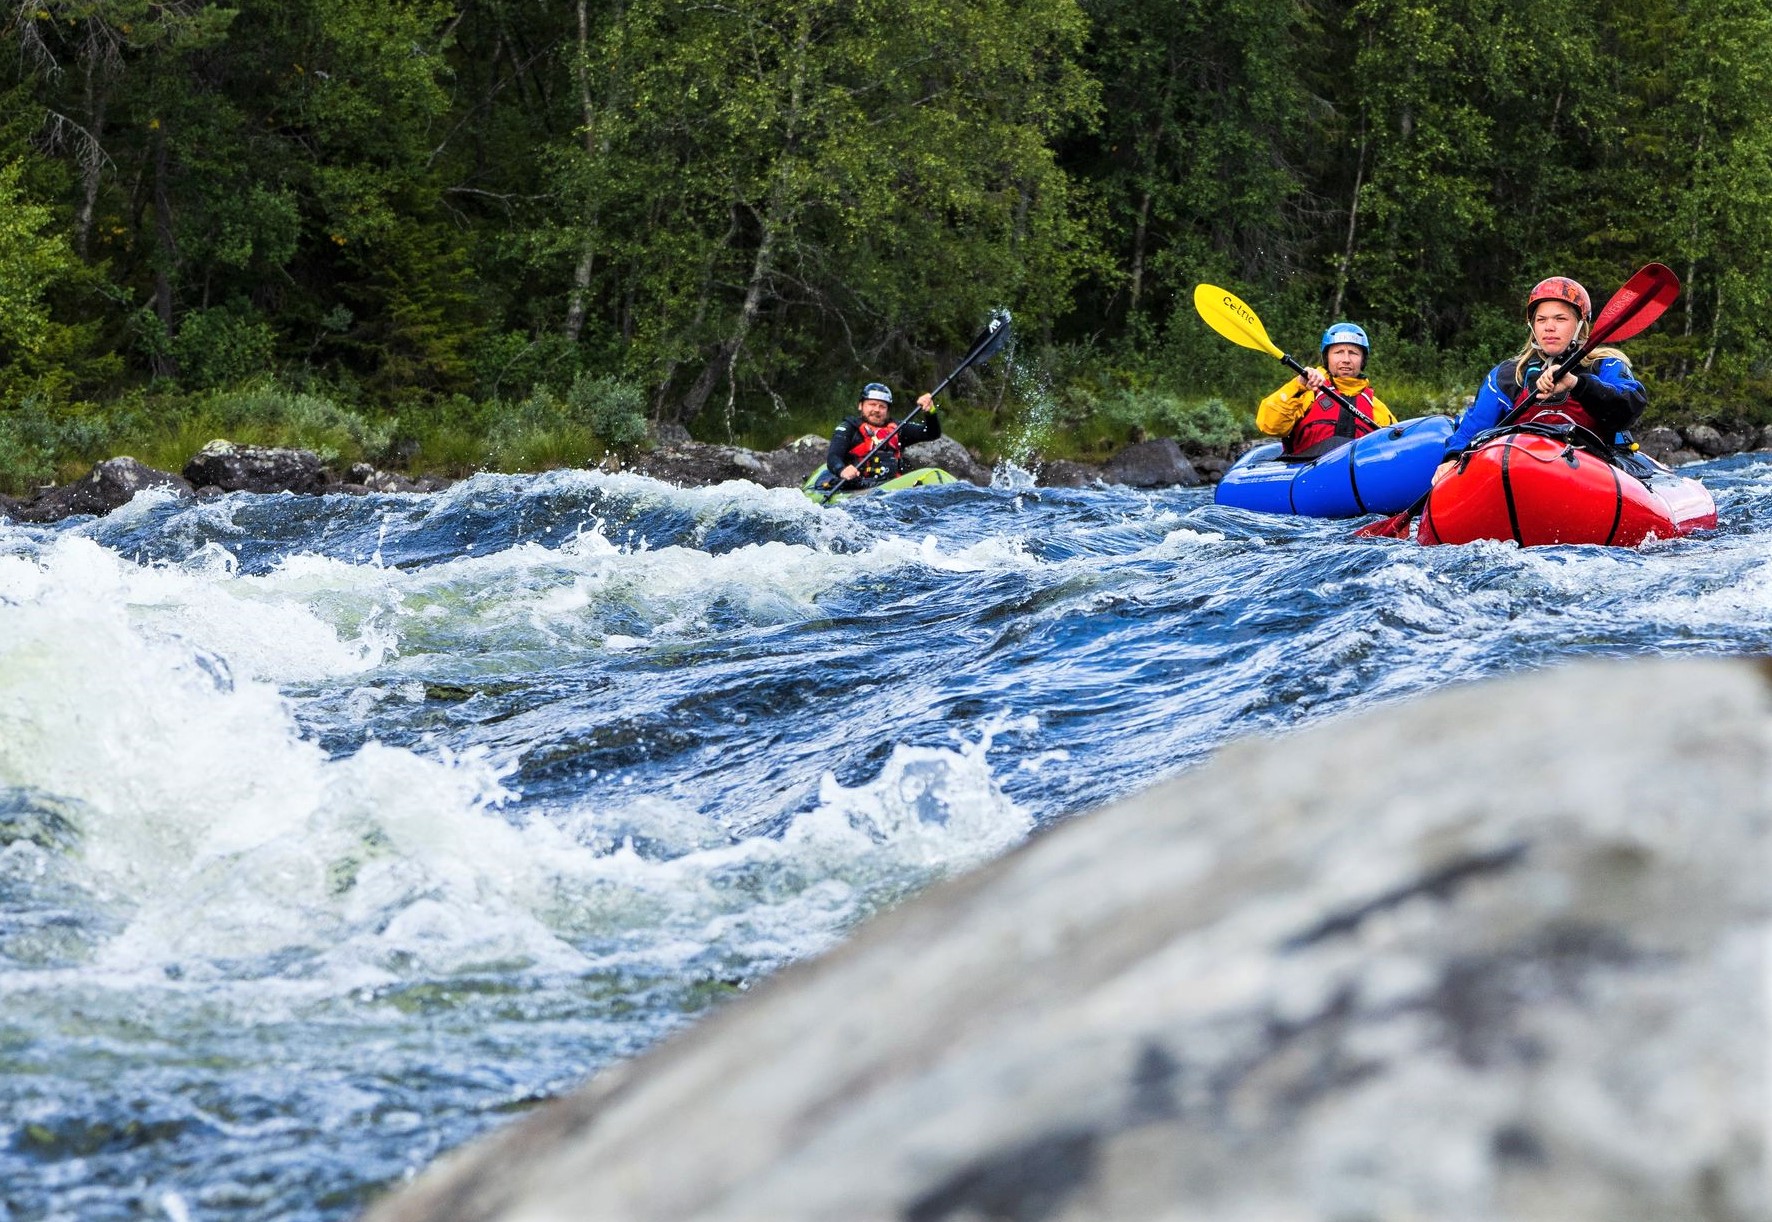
(868, 447)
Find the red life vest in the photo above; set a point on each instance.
(1560, 409)
(889, 460)
(1325, 422)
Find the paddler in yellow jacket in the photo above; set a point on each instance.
(1310, 422)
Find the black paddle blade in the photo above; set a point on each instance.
(993, 337)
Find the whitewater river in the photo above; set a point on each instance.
(343, 829)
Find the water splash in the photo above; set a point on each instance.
(450, 800)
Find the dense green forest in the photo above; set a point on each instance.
(512, 232)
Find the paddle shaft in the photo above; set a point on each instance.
(861, 463)
(1632, 309)
(1397, 526)
(1230, 316)
(1562, 367)
(1328, 388)
(983, 348)
(875, 448)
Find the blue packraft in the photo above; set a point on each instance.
(1383, 472)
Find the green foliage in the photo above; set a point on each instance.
(537, 432)
(458, 435)
(31, 263)
(520, 235)
(597, 415)
(1200, 424)
(1196, 162)
(614, 411)
(41, 444)
(222, 346)
(164, 428)
(286, 416)
(516, 363)
(1074, 402)
(40, 355)
(784, 186)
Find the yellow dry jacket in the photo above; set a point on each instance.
(1281, 411)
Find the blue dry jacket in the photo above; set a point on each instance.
(1607, 390)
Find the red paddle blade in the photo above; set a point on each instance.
(1636, 305)
(1394, 527)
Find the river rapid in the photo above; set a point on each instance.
(342, 829)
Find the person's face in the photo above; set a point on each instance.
(1553, 326)
(1344, 360)
(875, 411)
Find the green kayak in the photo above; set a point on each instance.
(910, 479)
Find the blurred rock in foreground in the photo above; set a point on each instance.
(1497, 953)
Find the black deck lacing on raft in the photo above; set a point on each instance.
(1570, 434)
(1618, 457)
(1617, 503)
(1507, 495)
(1313, 452)
(1353, 482)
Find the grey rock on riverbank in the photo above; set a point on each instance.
(219, 467)
(950, 455)
(1496, 953)
(225, 466)
(1696, 442)
(229, 467)
(109, 485)
(1158, 463)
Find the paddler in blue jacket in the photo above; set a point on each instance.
(872, 429)
(1601, 395)
(1310, 422)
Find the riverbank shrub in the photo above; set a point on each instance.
(400, 214)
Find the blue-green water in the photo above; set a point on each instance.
(337, 830)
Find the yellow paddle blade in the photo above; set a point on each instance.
(1226, 314)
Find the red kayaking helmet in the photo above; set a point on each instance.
(1561, 288)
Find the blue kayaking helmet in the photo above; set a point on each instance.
(1347, 333)
(878, 390)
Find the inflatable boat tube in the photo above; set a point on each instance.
(1382, 472)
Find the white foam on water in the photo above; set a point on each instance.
(1012, 476)
(1685, 588)
(315, 617)
(1740, 605)
(595, 592)
(236, 847)
(933, 806)
(1182, 540)
(202, 601)
(206, 820)
(231, 847)
(930, 811)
